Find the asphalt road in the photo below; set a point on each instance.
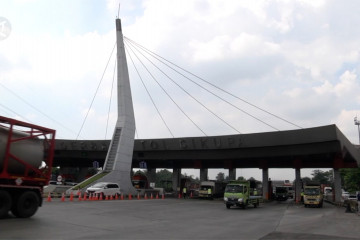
(180, 219)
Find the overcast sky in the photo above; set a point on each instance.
(297, 59)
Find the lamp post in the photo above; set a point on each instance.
(357, 122)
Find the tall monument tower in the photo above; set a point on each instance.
(119, 157)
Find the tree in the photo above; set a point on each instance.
(351, 179)
(220, 177)
(164, 179)
(322, 177)
(241, 178)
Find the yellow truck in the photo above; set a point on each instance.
(313, 195)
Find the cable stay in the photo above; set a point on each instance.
(177, 105)
(195, 99)
(147, 91)
(97, 89)
(158, 57)
(33, 107)
(111, 92)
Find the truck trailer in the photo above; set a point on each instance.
(211, 189)
(26, 157)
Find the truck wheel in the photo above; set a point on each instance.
(26, 205)
(5, 203)
(228, 206)
(255, 205)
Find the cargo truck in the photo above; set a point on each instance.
(211, 189)
(26, 156)
(241, 194)
(281, 193)
(313, 195)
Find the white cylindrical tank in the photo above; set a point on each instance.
(30, 151)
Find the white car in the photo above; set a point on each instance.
(104, 189)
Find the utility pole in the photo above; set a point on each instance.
(357, 122)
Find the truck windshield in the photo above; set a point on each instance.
(234, 189)
(281, 190)
(312, 191)
(204, 187)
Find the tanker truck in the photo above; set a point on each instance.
(26, 156)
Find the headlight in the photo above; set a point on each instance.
(240, 200)
(225, 198)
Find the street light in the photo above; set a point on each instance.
(357, 122)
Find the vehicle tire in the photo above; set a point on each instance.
(255, 205)
(228, 206)
(26, 205)
(305, 205)
(5, 203)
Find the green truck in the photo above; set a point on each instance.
(241, 194)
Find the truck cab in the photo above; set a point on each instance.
(313, 195)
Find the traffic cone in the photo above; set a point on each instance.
(130, 197)
(151, 196)
(145, 197)
(79, 196)
(101, 197)
(63, 197)
(179, 195)
(85, 196)
(116, 196)
(122, 196)
(157, 196)
(107, 197)
(90, 197)
(97, 197)
(111, 197)
(191, 195)
(49, 197)
(163, 196)
(138, 196)
(71, 196)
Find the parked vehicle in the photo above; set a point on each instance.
(211, 189)
(104, 189)
(26, 157)
(313, 195)
(241, 194)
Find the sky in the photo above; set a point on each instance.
(297, 59)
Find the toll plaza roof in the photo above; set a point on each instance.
(318, 147)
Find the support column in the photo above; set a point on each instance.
(176, 180)
(337, 185)
(297, 185)
(232, 173)
(203, 174)
(151, 176)
(265, 182)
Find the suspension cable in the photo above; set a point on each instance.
(167, 92)
(195, 99)
(213, 85)
(147, 91)
(112, 87)
(97, 89)
(36, 109)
